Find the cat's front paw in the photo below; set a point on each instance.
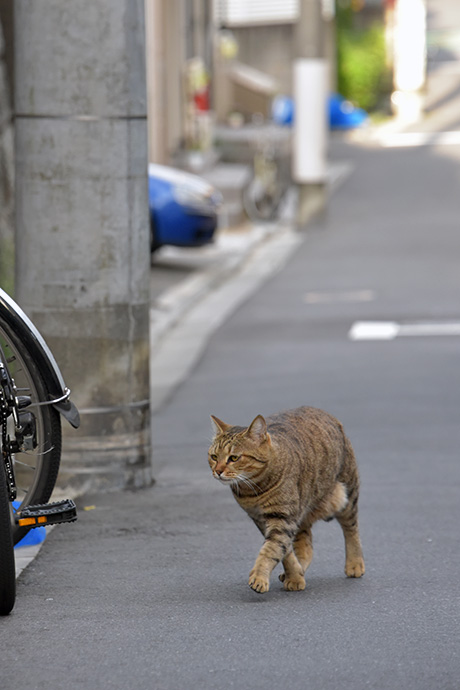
(259, 583)
(354, 568)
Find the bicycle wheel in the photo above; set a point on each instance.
(7, 567)
(36, 468)
(259, 203)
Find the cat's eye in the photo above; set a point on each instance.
(232, 458)
(214, 458)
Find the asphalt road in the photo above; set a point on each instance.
(148, 589)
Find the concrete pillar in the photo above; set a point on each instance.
(82, 251)
(6, 170)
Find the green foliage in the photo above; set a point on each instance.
(361, 71)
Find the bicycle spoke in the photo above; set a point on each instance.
(24, 464)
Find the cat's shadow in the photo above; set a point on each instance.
(319, 589)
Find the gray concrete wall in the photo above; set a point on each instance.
(82, 221)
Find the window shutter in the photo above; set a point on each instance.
(249, 12)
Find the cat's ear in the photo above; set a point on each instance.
(257, 430)
(221, 427)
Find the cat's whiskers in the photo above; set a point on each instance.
(250, 483)
(256, 486)
(235, 485)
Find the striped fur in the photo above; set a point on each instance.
(287, 472)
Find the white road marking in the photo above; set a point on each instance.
(373, 330)
(389, 330)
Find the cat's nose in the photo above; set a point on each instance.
(219, 471)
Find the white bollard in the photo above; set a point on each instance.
(310, 132)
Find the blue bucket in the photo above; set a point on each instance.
(35, 536)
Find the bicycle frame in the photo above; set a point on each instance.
(12, 315)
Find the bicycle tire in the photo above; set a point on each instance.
(36, 471)
(7, 565)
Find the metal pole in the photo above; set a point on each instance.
(82, 251)
(311, 83)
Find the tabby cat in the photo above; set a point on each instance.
(287, 472)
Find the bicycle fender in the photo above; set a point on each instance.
(20, 324)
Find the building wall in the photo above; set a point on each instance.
(165, 37)
(270, 49)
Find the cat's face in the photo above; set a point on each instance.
(237, 455)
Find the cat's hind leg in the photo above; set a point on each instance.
(303, 550)
(303, 546)
(348, 520)
(292, 577)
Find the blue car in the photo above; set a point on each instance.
(183, 208)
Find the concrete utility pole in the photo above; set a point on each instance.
(6, 170)
(311, 85)
(82, 248)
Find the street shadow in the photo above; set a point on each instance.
(329, 590)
